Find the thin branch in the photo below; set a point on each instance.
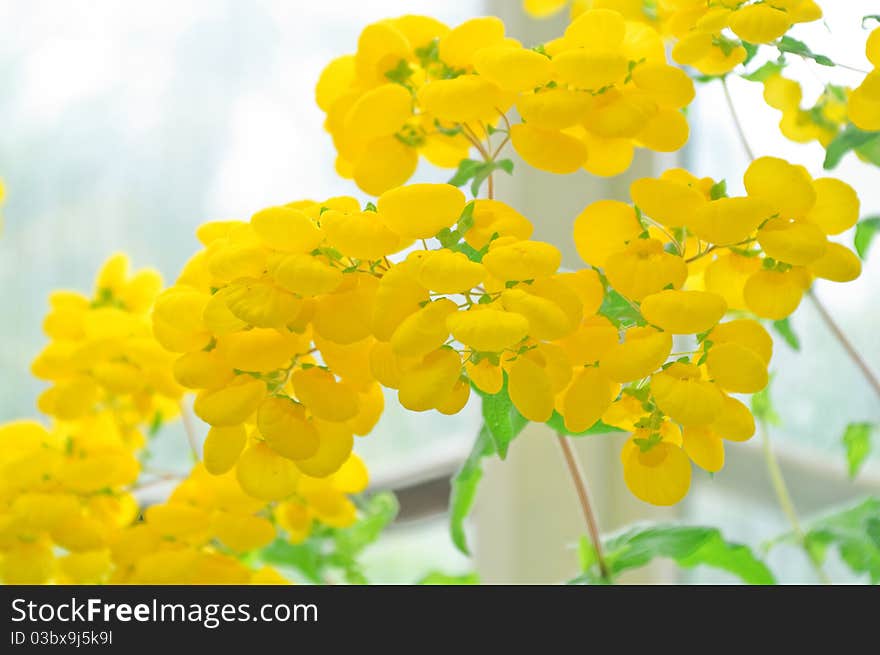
(190, 430)
(786, 504)
(580, 485)
(739, 127)
(850, 349)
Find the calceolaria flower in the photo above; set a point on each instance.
(586, 99)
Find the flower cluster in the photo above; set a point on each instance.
(821, 122)
(585, 99)
(682, 257)
(288, 323)
(102, 356)
(63, 499)
(198, 535)
(67, 509)
(709, 36)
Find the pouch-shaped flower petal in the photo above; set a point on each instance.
(667, 202)
(838, 264)
(772, 294)
(335, 442)
(645, 268)
(222, 447)
(745, 332)
(284, 425)
(793, 242)
(323, 395)
(681, 393)
(430, 381)
(587, 398)
(704, 447)
(424, 330)
(445, 271)
(729, 220)
(759, 23)
(737, 368)
(547, 149)
(836, 208)
(531, 389)
(788, 189)
(264, 474)
(419, 211)
(684, 312)
(230, 405)
(522, 260)
(488, 330)
(284, 228)
(493, 217)
(457, 48)
(603, 229)
(643, 352)
(513, 69)
(660, 476)
(361, 235)
(735, 422)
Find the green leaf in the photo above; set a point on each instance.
(870, 150)
(688, 546)
(466, 220)
(718, 190)
(501, 419)
(766, 71)
(155, 424)
(467, 168)
(305, 557)
(751, 50)
(505, 165)
(377, 514)
(857, 441)
(784, 329)
(855, 532)
(557, 424)
(464, 488)
(619, 311)
(870, 17)
(795, 47)
(440, 578)
(849, 139)
(866, 229)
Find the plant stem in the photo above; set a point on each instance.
(739, 127)
(786, 504)
(190, 430)
(854, 355)
(580, 485)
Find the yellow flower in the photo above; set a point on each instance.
(587, 398)
(644, 268)
(419, 211)
(680, 392)
(684, 312)
(643, 351)
(488, 330)
(660, 475)
(603, 229)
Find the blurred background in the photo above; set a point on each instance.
(125, 125)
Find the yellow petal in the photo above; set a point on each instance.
(737, 368)
(704, 447)
(684, 312)
(548, 150)
(603, 229)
